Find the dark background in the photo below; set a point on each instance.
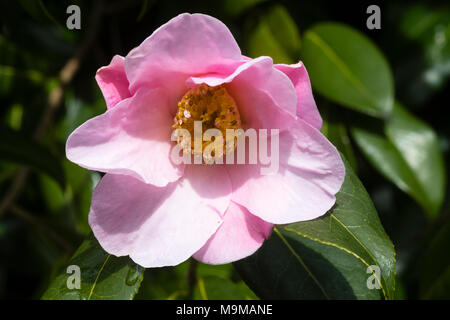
(46, 217)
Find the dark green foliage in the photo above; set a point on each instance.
(383, 96)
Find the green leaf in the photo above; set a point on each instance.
(166, 283)
(347, 68)
(383, 155)
(331, 257)
(17, 148)
(434, 279)
(103, 276)
(267, 40)
(218, 288)
(419, 146)
(409, 156)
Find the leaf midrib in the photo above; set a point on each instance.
(98, 276)
(302, 263)
(348, 251)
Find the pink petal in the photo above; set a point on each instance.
(113, 81)
(133, 138)
(265, 96)
(306, 106)
(239, 236)
(311, 173)
(186, 45)
(159, 226)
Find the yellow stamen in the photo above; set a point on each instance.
(213, 106)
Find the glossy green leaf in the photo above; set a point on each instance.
(332, 257)
(103, 276)
(409, 156)
(347, 68)
(78, 194)
(17, 148)
(267, 40)
(419, 146)
(383, 155)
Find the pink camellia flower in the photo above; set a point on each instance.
(161, 213)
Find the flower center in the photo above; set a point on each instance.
(213, 106)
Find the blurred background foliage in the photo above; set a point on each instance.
(383, 95)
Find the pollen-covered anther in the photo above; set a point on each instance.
(215, 108)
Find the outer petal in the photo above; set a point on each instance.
(159, 226)
(306, 106)
(113, 81)
(240, 235)
(265, 96)
(133, 138)
(311, 173)
(187, 44)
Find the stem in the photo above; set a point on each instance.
(192, 277)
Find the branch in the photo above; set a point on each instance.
(30, 218)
